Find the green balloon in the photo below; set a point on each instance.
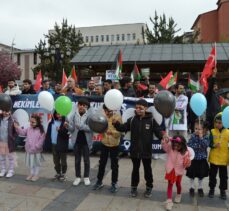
(63, 105)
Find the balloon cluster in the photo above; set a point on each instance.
(63, 104)
(113, 100)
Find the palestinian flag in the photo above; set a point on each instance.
(193, 85)
(73, 74)
(172, 81)
(164, 81)
(135, 74)
(118, 69)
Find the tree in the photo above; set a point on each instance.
(164, 31)
(57, 50)
(8, 69)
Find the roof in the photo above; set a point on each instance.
(157, 53)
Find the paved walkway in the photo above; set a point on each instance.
(20, 195)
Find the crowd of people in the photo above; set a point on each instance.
(174, 138)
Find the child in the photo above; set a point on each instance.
(218, 157)
(177, 160)
(81, 136)
(35, 136)
(7, 144)
(110, 145)
(142, 126)
(199, 168)
(57, 134)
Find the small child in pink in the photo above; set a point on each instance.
(178, 159)
(35, 136)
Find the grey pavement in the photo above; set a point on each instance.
(45, 194)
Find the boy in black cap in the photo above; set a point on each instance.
(142, 127)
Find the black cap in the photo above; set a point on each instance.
(142, 102)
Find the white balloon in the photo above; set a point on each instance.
(156, 115)
(191, 152)
(113, 99)
(46, 100)
(22, 117)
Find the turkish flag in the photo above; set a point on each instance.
(208, 69)
(37, 84)
(64, 79)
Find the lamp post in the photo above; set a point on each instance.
(58, 56)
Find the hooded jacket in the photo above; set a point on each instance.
(14, 91)
(142, 129)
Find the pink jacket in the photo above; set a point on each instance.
(175, 160)
(34, 139)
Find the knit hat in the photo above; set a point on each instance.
(142, 102)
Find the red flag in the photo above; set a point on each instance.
(163, 83)
(37, 84)
(73, 74)
(64, 79)
(208, 69)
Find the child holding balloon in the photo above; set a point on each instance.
(35, 136)
(178, 159)
(218, 157)
(199, 168)
(7, 144)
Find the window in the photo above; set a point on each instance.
(123, 37)
(35, 58)
(128, 37)
(112, 38)
(92, 39)
(87, 39)
(18, 59)
(107, 38)
(117, 37)
(134, 36)
(102, 38)
(97, 38)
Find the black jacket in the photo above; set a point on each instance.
(213, 102)
(142, 130)
(30, 91)
(62, 138)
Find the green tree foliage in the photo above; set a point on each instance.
(57, 50)
(163, 30)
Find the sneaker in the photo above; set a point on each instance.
(86, 181)
(9, 174)
(98, 185)
(211, 193)
(148, 192)
(62, 177)
(192, 192)
(177, 198)
(169, 204)
(200, 192)
(34, 178)
(28, 178)
(77, 181)
(134, 192)
(56, 177)
(223, 194)
(113, 188)
(2, 173)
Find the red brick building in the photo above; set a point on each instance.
(213, 26)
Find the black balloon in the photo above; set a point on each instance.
(5, 102)
(165, 103)
(98, 123)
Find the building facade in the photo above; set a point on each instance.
(213, 26)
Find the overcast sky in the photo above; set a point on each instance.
(26, 21)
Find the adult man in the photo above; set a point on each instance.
(27, 87)
(142, 128)
(178, 121)
(213, 100)
(46, 87)
(90, 88)
(71, 88)
(12, 88)
(151, 91)
(107, 85)
(126, 87)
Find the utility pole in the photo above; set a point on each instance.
(12, 50)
